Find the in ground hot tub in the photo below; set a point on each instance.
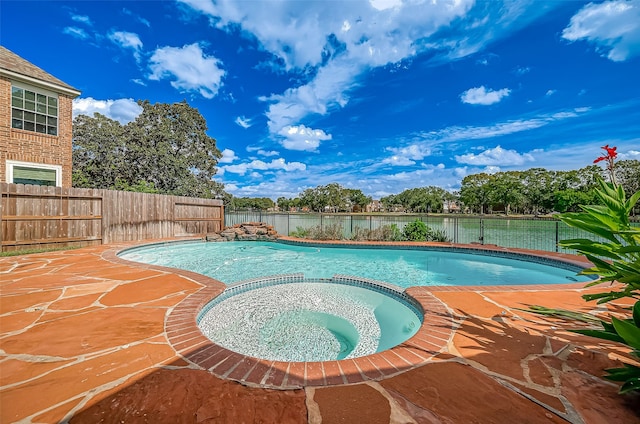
(290, 318)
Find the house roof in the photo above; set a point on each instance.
(15, 67)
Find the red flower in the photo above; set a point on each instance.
(611, 154)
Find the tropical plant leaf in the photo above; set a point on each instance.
(628, 331)
(630, 385)
(605, 335)
(632, 202)
(561, 313)
(623, 373)
(629, 249)
(591, 227)
(613, 295)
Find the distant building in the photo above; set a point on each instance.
(35, 124)
(375, 206)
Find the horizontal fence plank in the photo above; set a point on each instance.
(49, 218)
(50, 240)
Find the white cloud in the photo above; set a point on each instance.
(550, 93)
(406, 156)
(76, 32)
(327, 91)
(630, 155)
(275, 165)
(385, 4)
(613, 27)
(495, 156)
(127, 40)
(81, 19)
(121, 110)
(338, 40)
(302, 138)
(336, 43)
(243, 122)
(190, 69)
(456, 133)
(267, 153)
(228, 156)
(521, 70)
(140, 19)
(482, 96)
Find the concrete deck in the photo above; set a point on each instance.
(86, 337)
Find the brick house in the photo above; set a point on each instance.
(35, 124)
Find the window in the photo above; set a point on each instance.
(34, 110)
(33, 173)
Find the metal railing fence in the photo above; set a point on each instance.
(526, 233)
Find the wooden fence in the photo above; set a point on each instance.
(42, 217)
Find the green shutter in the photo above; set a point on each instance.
(35, 174)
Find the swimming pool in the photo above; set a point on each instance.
(402, 266)
(290, 318)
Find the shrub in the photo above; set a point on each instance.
(419, 231)
(439, 235)
(300, 232)
(416, 231)
(383, 233)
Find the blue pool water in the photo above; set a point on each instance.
(237, 261)
(309, 320)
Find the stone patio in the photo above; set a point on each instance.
(86, 337)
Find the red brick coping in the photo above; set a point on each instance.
(432, 338)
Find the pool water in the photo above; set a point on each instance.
(308, 321)
(237, 261)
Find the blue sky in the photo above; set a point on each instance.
(379, 95)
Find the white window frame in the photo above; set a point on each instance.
(10, 164)
(43, 91)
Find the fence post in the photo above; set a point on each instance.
(481, 231)
(455, 229)
(557, 235)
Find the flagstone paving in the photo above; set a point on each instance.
(86, 337)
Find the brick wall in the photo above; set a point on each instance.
(29, 146)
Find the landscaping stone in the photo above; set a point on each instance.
(246, 231)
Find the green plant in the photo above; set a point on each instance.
(626, 332)
(439, 235)
(616, 255)
(416, 231)
(396, 233)
(419, 231)
(300, 232)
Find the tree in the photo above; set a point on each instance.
(357, 199)
(166, 149)
(474, 191)
(259, 203)
(535, 188)
(99, 152)
(505, 188)
(628, 176)
(333, 197)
